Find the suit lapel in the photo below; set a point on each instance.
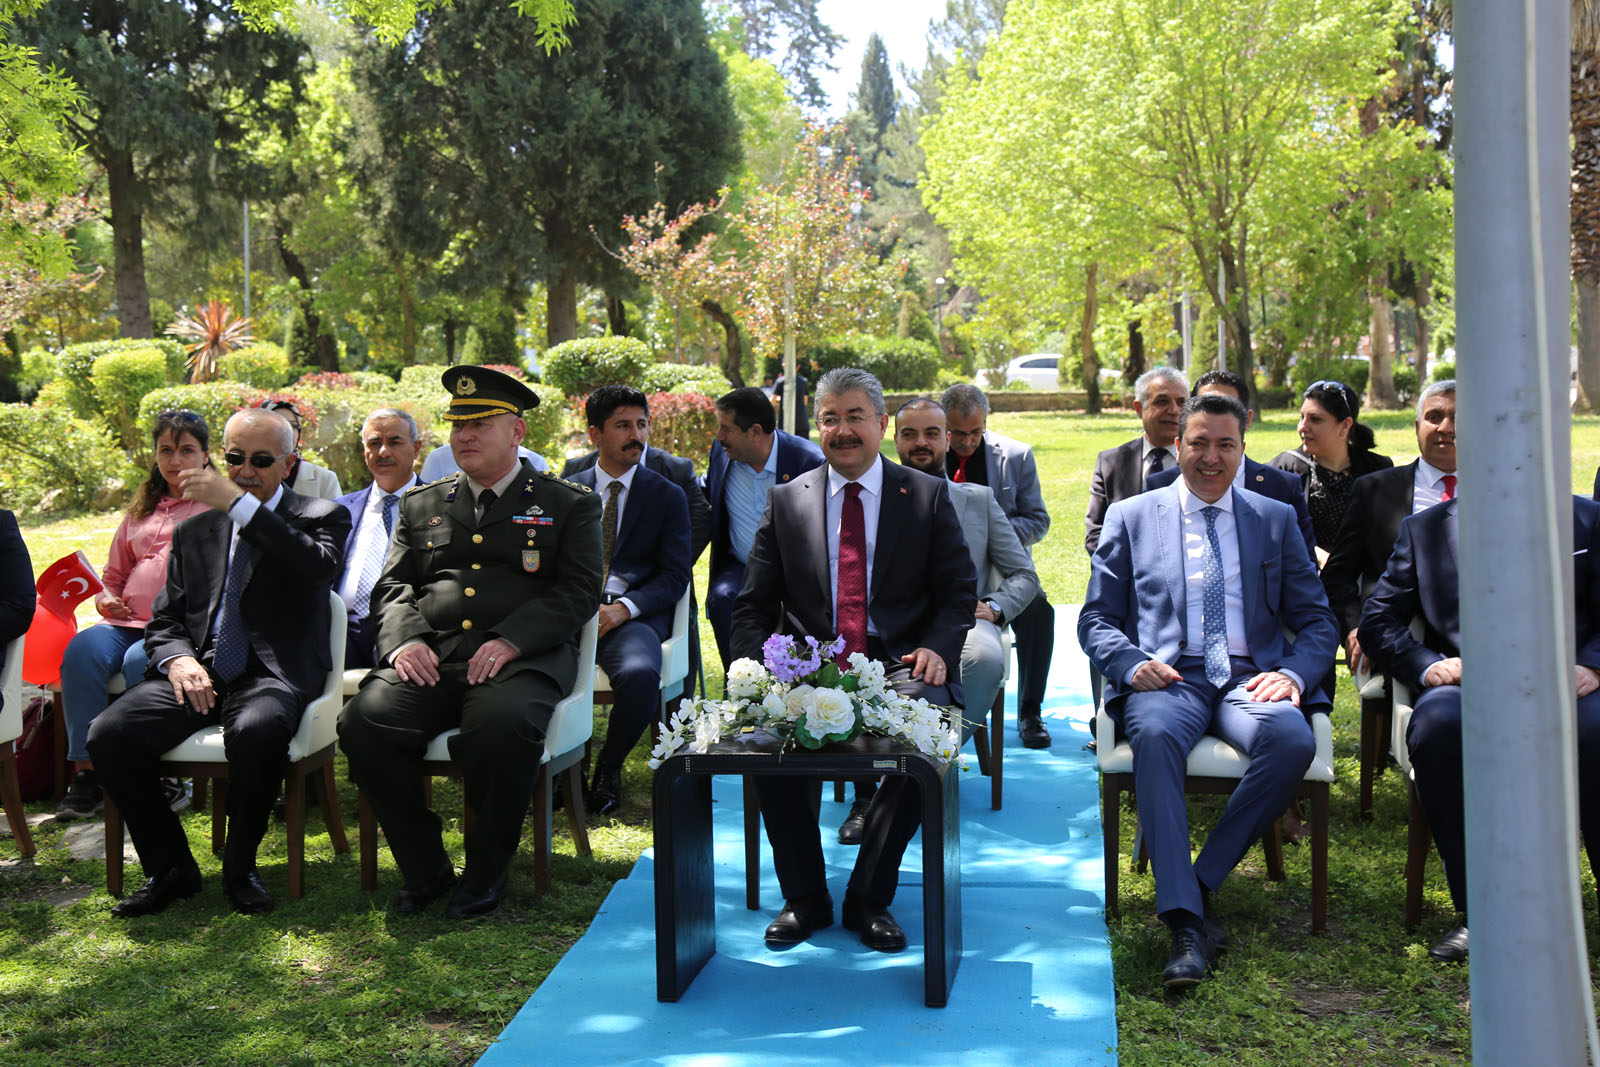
(894, 513)
(1169, 536)
(1248, 531)
(814, 530)
(1452, 541)
(638, 500)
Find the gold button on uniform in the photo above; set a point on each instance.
(477, 539)
(470, 591)
(477, 566)
(466, 624)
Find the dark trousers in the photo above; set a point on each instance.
(891, 822)
(721, 592)
(1163, 726)
(360, 637)
(259, 715)
(631, 657)
(1033, 632)
(1434, 741)
(386, 729)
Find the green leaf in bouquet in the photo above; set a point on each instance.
(826, 676)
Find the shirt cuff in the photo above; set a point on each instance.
(244, 509)
(162, 666)
(633, 609)
(1299, 683)
(403, 646)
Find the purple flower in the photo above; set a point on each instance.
(778, 654)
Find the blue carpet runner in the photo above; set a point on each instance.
(1034, 985)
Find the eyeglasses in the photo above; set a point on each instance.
(966, 435)
(1346, 394)
(855, 422)
(259, 460)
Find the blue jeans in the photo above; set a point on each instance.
(92, 658)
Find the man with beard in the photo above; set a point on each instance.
(389, 447)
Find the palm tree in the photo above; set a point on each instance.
(1586, 196)
(212, 332)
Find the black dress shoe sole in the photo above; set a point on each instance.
(137, 905)
(1178, 982)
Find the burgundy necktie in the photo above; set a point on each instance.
(1449, 488)
(850, 601)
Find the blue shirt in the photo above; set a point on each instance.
(746, 496)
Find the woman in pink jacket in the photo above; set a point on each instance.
(135, 573)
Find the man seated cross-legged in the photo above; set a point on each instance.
(1190, 590)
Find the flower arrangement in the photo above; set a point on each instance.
(802, 696)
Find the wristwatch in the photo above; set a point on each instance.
(999, 616)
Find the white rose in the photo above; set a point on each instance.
(797, 701)
(830, 711)
(774, 707)
(746, 679)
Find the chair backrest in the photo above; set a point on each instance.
(11, 690)
(572, 721)
(675, 649)
(319, 726)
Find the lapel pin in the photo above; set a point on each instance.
(1261, 477)
(902, 491)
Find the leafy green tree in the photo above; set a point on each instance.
(875, 94)
(795, 27)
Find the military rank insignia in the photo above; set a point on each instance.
(530, 560)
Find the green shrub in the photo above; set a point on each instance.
(712, 387)
(38, 367)
(578, 367)
(1442, 372)
(899, 363)
(50, 456)
(1405, 383)
(263, 365)
(212, 401)
(664, 377)
(121, 380)
(1352, 372)
(547, 424)
(390, 368)
(947, 377)
(683, 424)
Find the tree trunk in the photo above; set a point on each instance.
(617, 315)
(733, 344)
(1585, 104)
(127, 233)
(1235, 310)
(449, 328)
(1381, 395)
(1091, 366)
(326, 348)
(1588, 399)
(408, 314)
(1133, 366)
(561, 307)
(1421, 299)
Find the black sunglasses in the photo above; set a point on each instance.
(1344, 392)
(259, 460)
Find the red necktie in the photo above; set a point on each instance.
(850, 601)
(961, 469)
(1449, 488)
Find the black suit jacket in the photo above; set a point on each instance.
(1269, 482)
(652, 549)
(16, 584)
(678, 471)
(1118, 474)
(923, 587)
(1423, 579)
(796, 455)
(295, 550)
(1378, 504)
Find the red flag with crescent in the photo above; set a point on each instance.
(66, 583)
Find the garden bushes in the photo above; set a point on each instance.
(903, 364)
(122, 378)
(263, 365)
(683, 423)
(578, 367)
(52, 453)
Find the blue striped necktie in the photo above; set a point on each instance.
(1213, 605)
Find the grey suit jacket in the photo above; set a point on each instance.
(1006, 577)
(1014, 480)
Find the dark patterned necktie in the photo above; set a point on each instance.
(608, 526)
(1158, 461)
(233, 643)
(389, 502)
(850, 601)
(1213, 604)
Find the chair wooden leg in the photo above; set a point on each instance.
(997, 749)
(197, 795)
(219, 815)
(577, 818)
(1141, 855)
(113, 848)
(58, 745)
(541, 832)
(331, 817)
(294, 815)
(367, 841)
(1319, 858)
(1419, 838)
(980, 747)
(752, 844)
(838, 790)
(11, 800)
(1111, 836)
(1272, 843)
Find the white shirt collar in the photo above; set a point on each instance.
(1429, 473)
(602, 480)
(1192, 503)
(273, 501)
(871, 481)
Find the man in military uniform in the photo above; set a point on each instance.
(490, 579)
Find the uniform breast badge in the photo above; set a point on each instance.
(530, 560)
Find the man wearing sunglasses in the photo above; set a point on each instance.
(239, 635)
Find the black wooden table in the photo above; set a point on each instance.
(686, 933)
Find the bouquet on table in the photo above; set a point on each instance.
(803, 697)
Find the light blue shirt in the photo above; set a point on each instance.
(441, 463)
(747, 500)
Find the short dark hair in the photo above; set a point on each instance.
(917, 403)
(749, 407)
(604, 402)
(1228, 380)
(1212, 404)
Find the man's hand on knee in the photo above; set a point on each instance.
(612, 616)
(191, 685)
(1152, 674)
(1586, 679)
(927, 666)
(488, 660)
(1270, 685)
(1443, 672)
(418, 664)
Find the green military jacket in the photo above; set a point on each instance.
(529, 572)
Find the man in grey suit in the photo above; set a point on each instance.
(1119, 472)
(1006, 579)
(982, 457)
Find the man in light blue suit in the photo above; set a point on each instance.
(1191, 591)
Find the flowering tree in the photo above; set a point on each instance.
(25, 278)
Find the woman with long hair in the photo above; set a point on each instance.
(135, 573)
(1334, 451)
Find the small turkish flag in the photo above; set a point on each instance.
(66, 583)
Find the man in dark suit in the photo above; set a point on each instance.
(981, 456)
(645, 553)
(870, 551)
(1120, 472)
(489, 582)
(1257, 477)
(1190, 591)
(1422, 580)
(749, 457)
(239, 630)
(675, 469)
(1380, 501)
(389, 446)
(16, 584)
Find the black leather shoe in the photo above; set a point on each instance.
(1031, 729)
(468, 903)
(850, 830)
(605, 792)
(799, 919)
(1192, 956)
(1452, 947)
(247, 894)
(1211, 926)
(409, 901)
(176, 884)
(876, 926)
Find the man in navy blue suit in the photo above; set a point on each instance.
(1190, 591)
(749, 457)
(646, 556)
(1257, 477)
(1423, 581)
(389, 446)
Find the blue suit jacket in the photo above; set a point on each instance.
(796, 455)
(356, 504)
(1135, 609)
(1269, 482)
(652, 552)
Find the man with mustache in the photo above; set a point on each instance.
(1006, 579)
(861, 549)
(389, 447)
(1119, 472)
(239, 634)
(647, 561)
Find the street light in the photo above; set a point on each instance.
(938, 313)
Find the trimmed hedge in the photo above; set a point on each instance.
(667, 377)
(897, 362)
(212, 401)
(683, 424)
(55, 458)
(122, 378)
(578, 367)
(263, 365)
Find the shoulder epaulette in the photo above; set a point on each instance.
(562, 481)
(427, 485)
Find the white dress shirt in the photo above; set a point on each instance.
(371, 540)
(1427, 486)
(871, 500)
(616, 585)
(1194, 547)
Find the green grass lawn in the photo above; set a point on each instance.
(336, 979)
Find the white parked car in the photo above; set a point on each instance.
(1037, 369)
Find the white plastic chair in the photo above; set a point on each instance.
(674, 662)
(10, 730)
(311, 749)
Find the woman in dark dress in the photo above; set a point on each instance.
(1334, 451)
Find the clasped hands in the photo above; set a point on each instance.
(1267, 686)
(418, 663)
(1448, 672)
